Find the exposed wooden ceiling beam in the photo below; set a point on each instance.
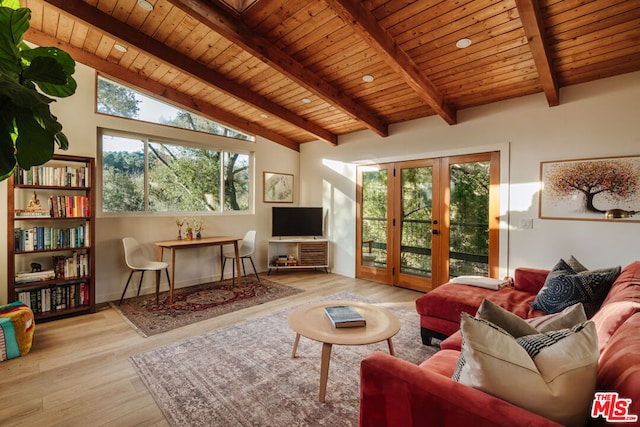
(130, 36)
(235, 31)
(366, 25)
(531, 18)
(154, 88)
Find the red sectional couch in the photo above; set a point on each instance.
(440, 309)
(394, 392)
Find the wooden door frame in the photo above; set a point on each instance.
(441, 199)
(493, 157)
(362, 271)
(407, 280)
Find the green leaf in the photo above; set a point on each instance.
(51, 69)
(43, 69)
(13, 25)
(60, 56)
(42, 115)
(7, 149)
(11, 4)
(20, 95)
(61, 140)
(61, 91)
(34, 145)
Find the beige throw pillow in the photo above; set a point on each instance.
(567, 318)
(514, 325)
(517, 327)
(552, 374)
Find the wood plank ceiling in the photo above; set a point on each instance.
(292, 71)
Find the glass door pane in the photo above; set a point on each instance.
(374, 223)
(415, 221)
(469, 218)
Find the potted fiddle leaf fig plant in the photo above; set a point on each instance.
(28, 77)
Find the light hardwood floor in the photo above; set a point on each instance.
(78, 372)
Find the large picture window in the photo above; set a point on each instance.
(144, 174)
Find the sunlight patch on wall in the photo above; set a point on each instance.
(346, 170)
(524, 197)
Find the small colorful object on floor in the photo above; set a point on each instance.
(16, 330)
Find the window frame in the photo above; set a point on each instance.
(147, 137)
(249, 136)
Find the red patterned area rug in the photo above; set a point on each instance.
(242, 375)
(196, 303)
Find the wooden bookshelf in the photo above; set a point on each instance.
(59, 243)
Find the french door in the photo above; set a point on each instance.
(421, 222)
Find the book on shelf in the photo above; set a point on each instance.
(32, 213)
(36, 276)
(344, 316)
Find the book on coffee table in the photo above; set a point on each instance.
(344, 316)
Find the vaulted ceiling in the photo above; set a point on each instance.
(292, 71)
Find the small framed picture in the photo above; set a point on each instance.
(277, 187)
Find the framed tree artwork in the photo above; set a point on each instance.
(598, 189)
(277, 187)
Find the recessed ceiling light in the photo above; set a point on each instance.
(367, 78)
(145, 5)
(306, 101)
(119, 48)
(264, 116)
(463, 43)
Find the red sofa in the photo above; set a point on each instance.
(394, 392)
(440, 309)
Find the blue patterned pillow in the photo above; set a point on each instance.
(564, 287)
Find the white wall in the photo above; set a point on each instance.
(594, 120)
(598, 119)
(194, 266)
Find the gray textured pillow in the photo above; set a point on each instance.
(576, 265)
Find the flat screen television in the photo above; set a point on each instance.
(296, 221)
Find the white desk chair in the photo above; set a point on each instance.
(136, 261)
(245, 249)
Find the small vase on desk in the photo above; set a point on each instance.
(190, 235)
(198, 235)
(179, 234)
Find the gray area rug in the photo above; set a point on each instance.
(243, 374)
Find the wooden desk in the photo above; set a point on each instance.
(172, 245)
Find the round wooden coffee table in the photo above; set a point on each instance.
(311, 322)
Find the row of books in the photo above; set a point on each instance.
(61, 297)
(59, 207)
(65, 176)
(69, 206)
(47, 238)
(71, 267)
